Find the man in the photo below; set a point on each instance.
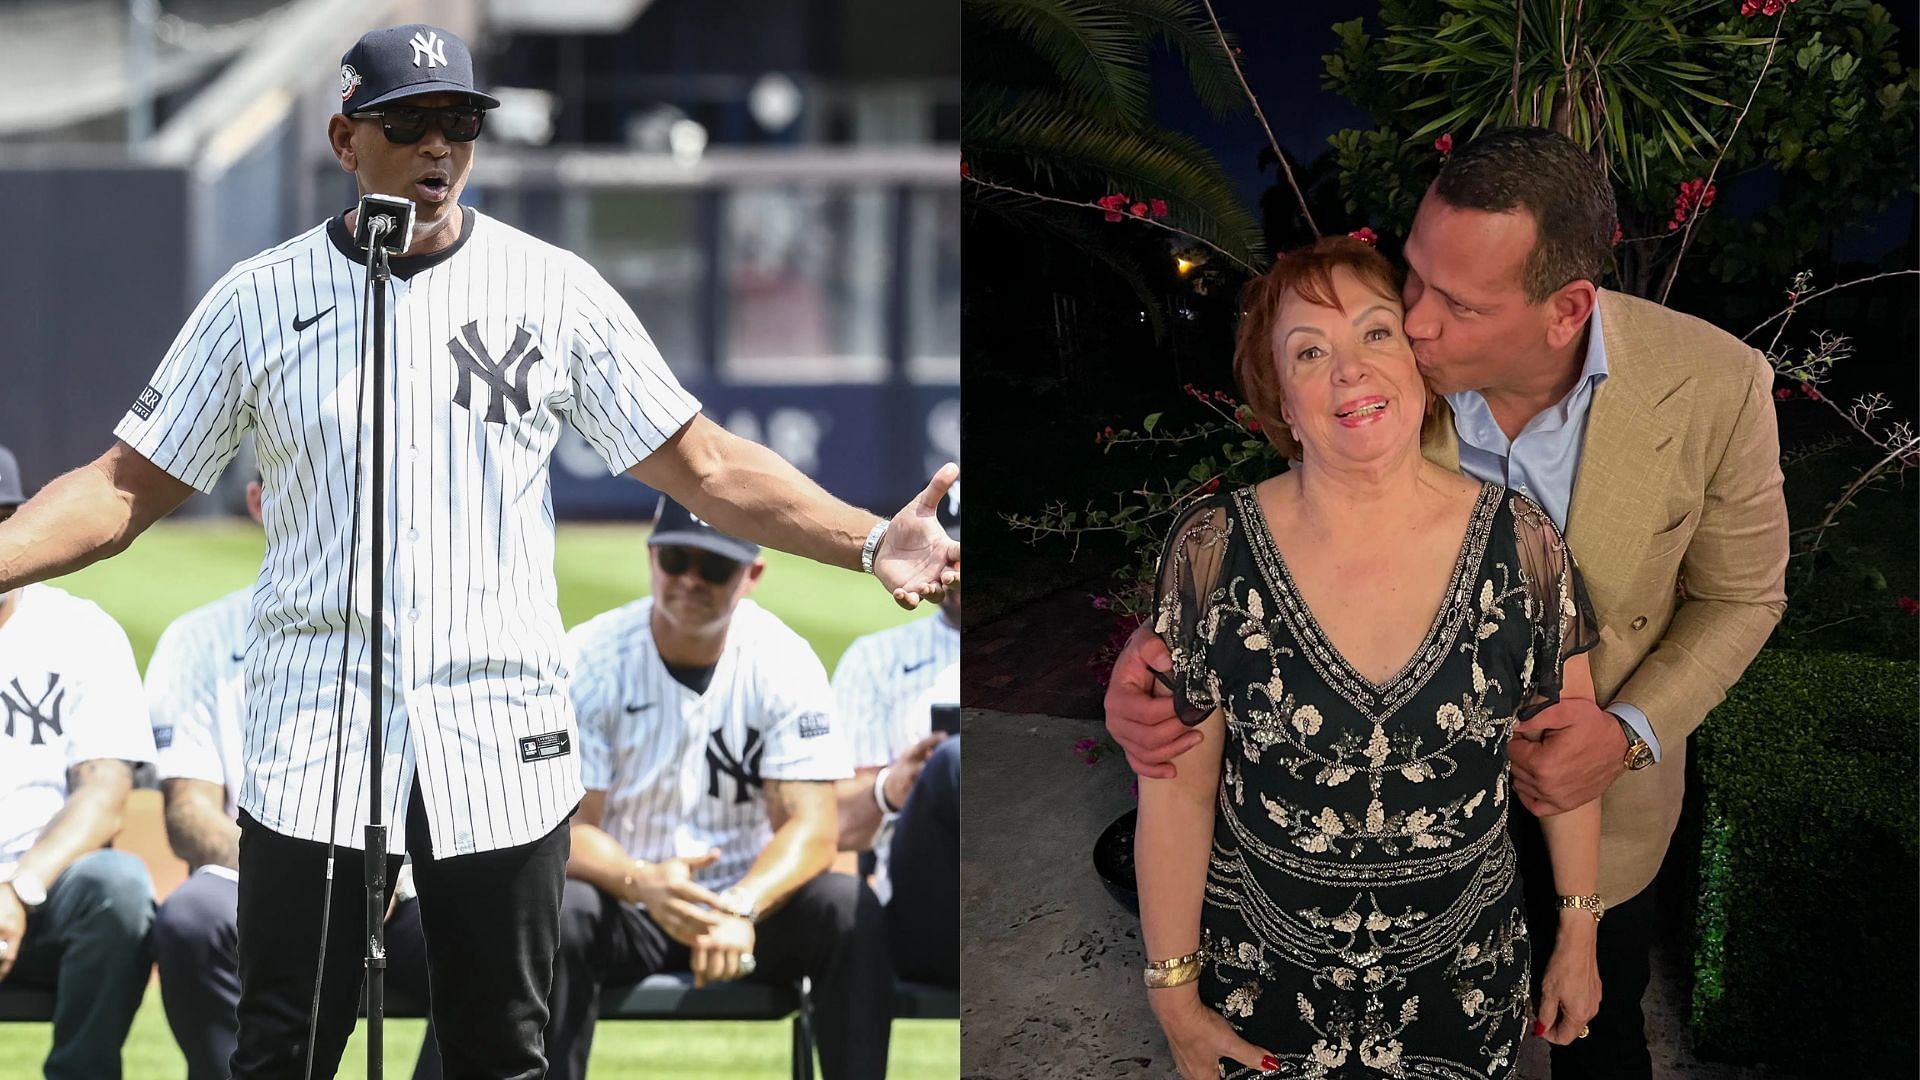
(196, 694)
(708, 826)
(498, 342)
(919, 868)
(877, 680)
(1649, 437)
(73, 917)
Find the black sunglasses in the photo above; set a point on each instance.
(714, 569)
(407, 124)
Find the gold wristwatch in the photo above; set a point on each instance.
(1590, 903)
(1639, 754)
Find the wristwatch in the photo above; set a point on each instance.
(1639, 755)
(29, 889)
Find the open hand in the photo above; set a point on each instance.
(916, 560)
(1140, 714)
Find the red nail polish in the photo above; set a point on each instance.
(1539, 1028)
(1269, 1064)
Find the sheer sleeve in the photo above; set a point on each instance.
(1184, 613)
(1562, 616)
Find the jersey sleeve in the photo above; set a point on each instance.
(105, 708)
(188, 421)
(1562, 617)
(183, 700)
(625, 401)
(592, 697)
(859, 703)
(804, 740)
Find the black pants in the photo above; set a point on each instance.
(1616, 1046)
(830, 930)
(923, 865)
(490, 923)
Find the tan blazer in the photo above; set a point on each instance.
(1679, 482)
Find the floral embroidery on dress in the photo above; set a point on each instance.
(1362, 912)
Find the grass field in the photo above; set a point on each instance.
(178, 566)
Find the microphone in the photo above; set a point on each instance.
(385, 221)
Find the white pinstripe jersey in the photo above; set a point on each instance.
(69, 692)
(683, 771)
(197, 693)
(878, 679)
(495, 343)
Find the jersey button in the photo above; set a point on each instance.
(413, 534)
(413, 614)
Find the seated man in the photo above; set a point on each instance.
(73, 917)
(196, 693)
(708, 824)
(919, 875)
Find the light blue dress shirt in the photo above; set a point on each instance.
(1542, 461)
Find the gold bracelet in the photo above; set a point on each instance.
(1173, 972)
(1590, 902)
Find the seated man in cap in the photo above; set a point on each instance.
(73, 917)
(885, 689)
(709, 821)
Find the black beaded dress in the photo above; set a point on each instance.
(1363, 915)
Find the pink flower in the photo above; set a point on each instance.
(1159, 207)
(1365, 235)
(1133, 788)
(1085, 745)
(1253, 426)
(1138, 209)
(1101, 603)
(1112, 204)
(1782, 394)
(1909, 606)
(1694, 196)
(964, 171)
(1618, 232)
(1444, 143)
(1812, 394)
(1209, 487)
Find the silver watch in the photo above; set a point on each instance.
(31, 890)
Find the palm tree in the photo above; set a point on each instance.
(1056, 101)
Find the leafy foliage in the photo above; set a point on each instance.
(1654, 90)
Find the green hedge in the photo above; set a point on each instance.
(1808, 923)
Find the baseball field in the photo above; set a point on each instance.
(178, 566)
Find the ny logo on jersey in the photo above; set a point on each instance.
(430, 48)
(43, 713)
(744, 769)
(474, 362)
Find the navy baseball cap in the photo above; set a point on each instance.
(675, 526)
(407, 61)
(11, 492)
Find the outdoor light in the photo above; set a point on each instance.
(1183, 266)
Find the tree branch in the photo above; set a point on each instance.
(1686, 238)
(1285, 169)
(1230, 256)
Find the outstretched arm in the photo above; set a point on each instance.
(749, 491)
(89, 514)
(1570, 992)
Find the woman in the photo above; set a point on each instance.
(1356, 638)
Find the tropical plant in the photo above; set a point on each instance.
(1056, 103)
(1817, 91)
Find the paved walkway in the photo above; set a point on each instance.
(1051, 963)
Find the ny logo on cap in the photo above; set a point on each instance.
(429, 48)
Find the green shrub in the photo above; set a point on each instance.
(1809, 915)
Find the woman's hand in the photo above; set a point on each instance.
(1200, 1037)
(1570, 993)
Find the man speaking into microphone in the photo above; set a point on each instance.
(498, 341)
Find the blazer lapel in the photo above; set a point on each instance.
(1628, 454)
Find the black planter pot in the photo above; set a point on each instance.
(1113, 861)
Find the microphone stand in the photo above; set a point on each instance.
(376, 846)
